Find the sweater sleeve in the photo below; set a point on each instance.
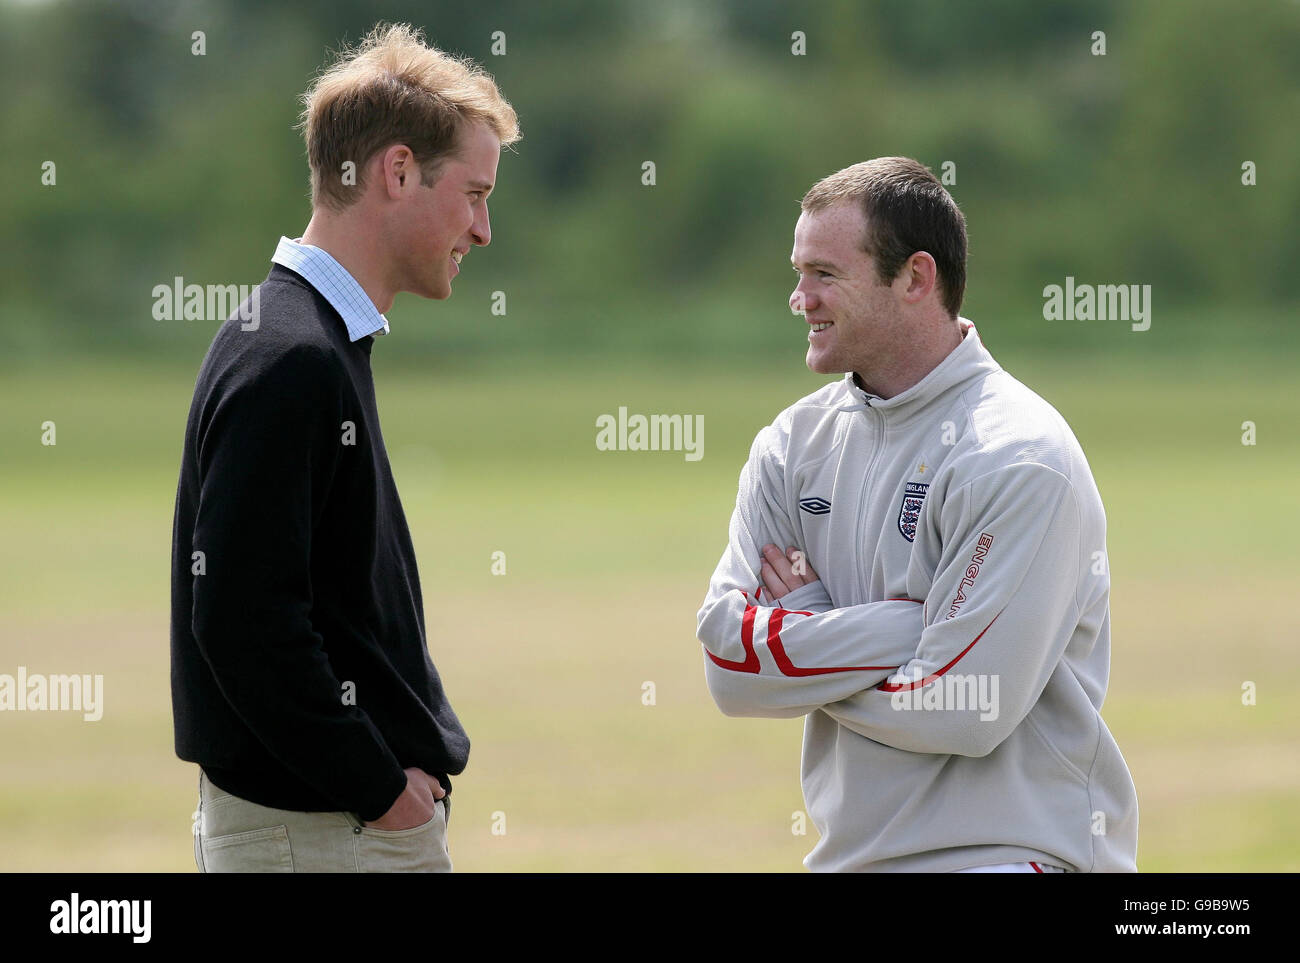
(770, 658)
(266, 455)
(1000, 613)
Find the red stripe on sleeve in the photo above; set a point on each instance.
(747, 640)
(789, 668)
(891, 687)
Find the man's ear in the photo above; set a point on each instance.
(397, 168)
(921, 274)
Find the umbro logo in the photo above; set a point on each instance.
(815, 506)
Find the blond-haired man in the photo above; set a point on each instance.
(301, 679)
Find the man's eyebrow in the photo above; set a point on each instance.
(833, 268)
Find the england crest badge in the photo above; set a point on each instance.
(910, 511)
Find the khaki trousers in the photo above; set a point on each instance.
(233, 835)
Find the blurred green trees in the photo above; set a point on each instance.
(1122, 168)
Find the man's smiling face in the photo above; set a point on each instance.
(852, 316)
(451, 216)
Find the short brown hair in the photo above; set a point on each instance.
(907, 210)
(393, 89)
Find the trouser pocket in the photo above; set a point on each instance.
(420, 849)
(256, 851)
(233, 835)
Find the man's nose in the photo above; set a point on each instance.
(802, 301)
(481, 229)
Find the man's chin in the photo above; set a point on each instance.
(440, 291)
(821, 364)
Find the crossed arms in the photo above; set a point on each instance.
(798, 653)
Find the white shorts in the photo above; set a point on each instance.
(1014, 868)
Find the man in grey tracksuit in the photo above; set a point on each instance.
(917, 564)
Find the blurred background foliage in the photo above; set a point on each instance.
(1123, 168)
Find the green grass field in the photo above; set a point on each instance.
(608, 556)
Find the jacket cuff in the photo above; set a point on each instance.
(812, 597)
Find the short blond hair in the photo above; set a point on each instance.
(393, 89)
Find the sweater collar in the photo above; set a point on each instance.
(333, 282)
(966, 361)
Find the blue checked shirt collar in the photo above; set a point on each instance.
(335, 285)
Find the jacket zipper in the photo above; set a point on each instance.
(863, 577)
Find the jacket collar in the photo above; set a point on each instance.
(967, 361)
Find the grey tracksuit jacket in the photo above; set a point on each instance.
(952, 658)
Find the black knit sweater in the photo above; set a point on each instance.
(301, 677)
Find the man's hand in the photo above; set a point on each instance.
(414, 807)
(782, 574)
